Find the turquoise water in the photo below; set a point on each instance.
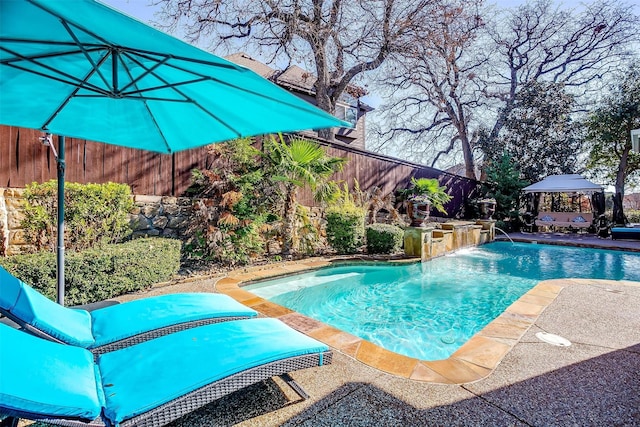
(428, 310)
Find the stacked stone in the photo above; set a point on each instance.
(11, 215)
(160, 216)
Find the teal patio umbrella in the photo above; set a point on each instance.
(80, 68)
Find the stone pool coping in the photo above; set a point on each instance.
(473, 361)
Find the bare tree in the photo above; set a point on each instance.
(438, 72)
(461, 84)
(341, 39)
(542, 42)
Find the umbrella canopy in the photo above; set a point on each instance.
(80, 68)
(572, 183)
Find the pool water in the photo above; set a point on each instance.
(428, 310)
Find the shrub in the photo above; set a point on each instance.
(633, 215)
(99, 274)
(226, 226)
(345, 228)
(95, 214)
(384, 238)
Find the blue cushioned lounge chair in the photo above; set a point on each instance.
(151, 383)
(117, 326)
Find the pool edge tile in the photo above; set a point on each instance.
(424, 373)
(482, 351)
(473, 361)
(453, 370)
(386, 360)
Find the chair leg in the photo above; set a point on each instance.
(295, 386)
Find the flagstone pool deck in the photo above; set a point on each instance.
(504, 375)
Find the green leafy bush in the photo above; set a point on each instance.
(95, 214)
(227, 225)
(99, 274)
(384, 238)
(633, 215)
(345, 222)
(345, 228)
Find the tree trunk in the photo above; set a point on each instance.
(289, 220)
(325, 103)
(469, 164)
(622, 167)
(618, 210)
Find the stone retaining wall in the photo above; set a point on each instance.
(11, 215)
(151, 216)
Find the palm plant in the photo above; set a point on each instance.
(297, 164)
(428, 191)
(424, 194)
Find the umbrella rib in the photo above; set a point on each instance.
(197, 104)
(20, 57)
(85, 53)
(226, 64)
(311, 109)
(146, 73)
(168, 85)
(149, 71)
(78, 85)
(71, 95)
(71, 79)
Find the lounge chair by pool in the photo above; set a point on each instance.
(625, 233)
(152, 383)
(114, 327)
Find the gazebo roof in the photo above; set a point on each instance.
(573, 183)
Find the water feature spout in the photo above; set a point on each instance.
(505, 233)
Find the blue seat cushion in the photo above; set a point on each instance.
(142, 377)
(626, 230)
(46, 378)
(121, 321)
(65, 324)
(113, 323)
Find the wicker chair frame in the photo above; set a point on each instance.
(196, 399)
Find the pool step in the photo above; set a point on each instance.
(291, 284)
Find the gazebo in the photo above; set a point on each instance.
(572, 183)
(569, 184)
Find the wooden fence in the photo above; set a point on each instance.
(23, 160)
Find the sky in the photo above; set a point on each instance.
(142, 10)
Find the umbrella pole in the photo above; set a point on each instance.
(60, 251)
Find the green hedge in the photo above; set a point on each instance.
(95, 275)
(95, 214)
(345, 229)
(384, 238)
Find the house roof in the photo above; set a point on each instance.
(245, 60)
(572, 183)
(297, 78)
(293, 77)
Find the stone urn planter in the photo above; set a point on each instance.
(423, 195)
(487, 208)
(418, 212)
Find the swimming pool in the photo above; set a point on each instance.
(428, 310)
